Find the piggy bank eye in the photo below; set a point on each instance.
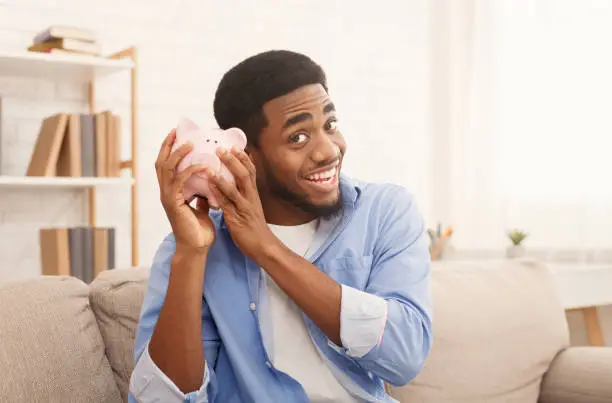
(208, 140)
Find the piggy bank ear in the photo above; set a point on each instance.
(236, 138)
(185, 125)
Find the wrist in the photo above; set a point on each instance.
(189, 252)
(270, 248)
(187, 266)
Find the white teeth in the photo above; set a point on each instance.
(325, 176)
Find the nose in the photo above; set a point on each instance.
(325, 150)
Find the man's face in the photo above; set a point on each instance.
(300, 152)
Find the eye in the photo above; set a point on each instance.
(331, 125)
(298, 138)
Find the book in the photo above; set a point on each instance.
(81, 251)
(101, 251)
(54, 251)
(69, 162)
(88, 254)
(0, 135)
(44, 158)
(56, 51)
(113, 143)
(116, 144)
(73, 45)
(76, 240)
(63, 31)
(111, 248)
(101, 138)
(88, 145)
(78, 145)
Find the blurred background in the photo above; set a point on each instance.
(495, 114)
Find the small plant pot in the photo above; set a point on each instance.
(515, 251)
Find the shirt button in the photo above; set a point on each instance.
(268, 364)
(252, 306)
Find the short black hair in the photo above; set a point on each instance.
(246, 87)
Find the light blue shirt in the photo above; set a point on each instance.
(376, 249)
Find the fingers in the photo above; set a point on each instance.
(246, 161)
(228, 190)
(224, 203)
(181, 178)
(167, 172)
(166, 147)
(241, 173)
(164, 152)
(177, 155)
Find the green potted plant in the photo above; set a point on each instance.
(516, 249)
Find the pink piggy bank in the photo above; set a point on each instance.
(205, 144)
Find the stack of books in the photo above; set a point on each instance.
(78, 145)
(65, 39)
(81, 252)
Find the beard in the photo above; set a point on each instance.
(278, 189)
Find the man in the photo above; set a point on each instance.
(306, 285)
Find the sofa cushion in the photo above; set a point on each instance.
(116, 297)
(497, 327)
(50, 347)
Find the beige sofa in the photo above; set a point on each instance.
(500, 336)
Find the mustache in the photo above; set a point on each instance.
(331, 161)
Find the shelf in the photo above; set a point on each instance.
(60, 182)
(59, 66)
(20, 63)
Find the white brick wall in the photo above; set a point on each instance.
(376, 59)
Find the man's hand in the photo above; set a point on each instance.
(241, 204)
(192, 227)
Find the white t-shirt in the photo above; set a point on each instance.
(294, 352)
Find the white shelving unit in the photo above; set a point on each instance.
(60, 182)
(85, 69)
(60, 66)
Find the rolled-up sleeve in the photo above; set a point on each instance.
(150, 384)
(395, 350)
(362, 320)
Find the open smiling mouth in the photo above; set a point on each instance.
(324, 180)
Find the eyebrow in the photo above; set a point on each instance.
(294, 120)
(330, 107)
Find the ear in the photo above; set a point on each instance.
(236, 137)
(186, 125)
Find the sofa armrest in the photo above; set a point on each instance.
(579, 375)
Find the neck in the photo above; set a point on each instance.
(280, 212)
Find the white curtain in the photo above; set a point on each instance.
(523, 122)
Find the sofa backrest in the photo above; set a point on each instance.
(51, 349)
(116, 298)
(497, 327)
